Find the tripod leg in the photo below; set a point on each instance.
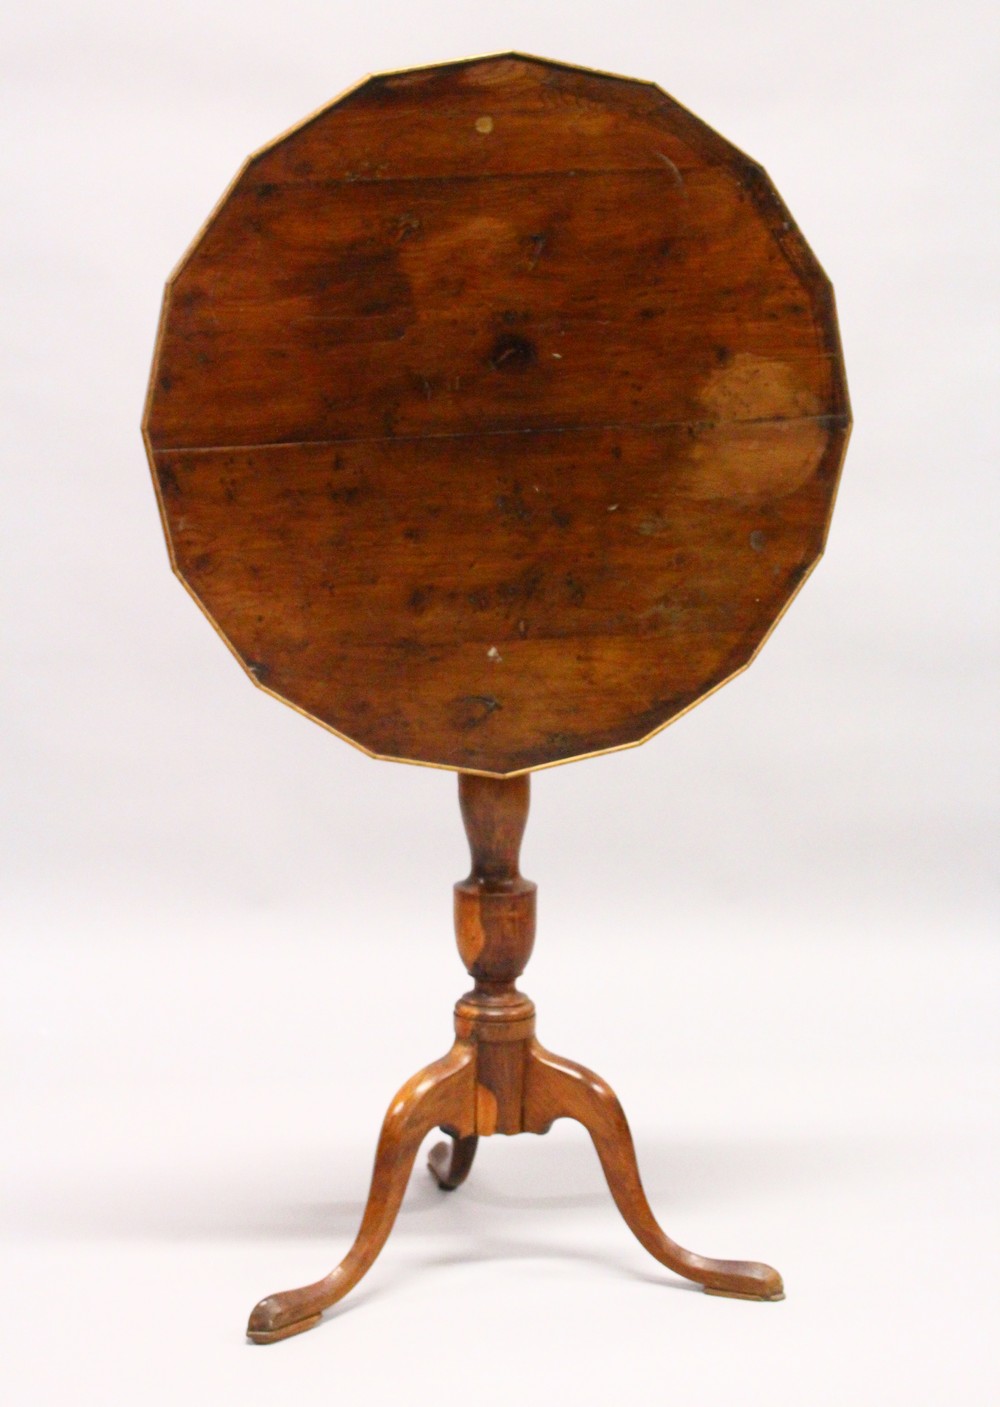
(557, 1088)
(450, 1163)
(442, 1095)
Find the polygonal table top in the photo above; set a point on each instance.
(497, 413)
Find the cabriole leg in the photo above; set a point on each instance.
(450, 1163)
(441, 1095)
(559, 1089)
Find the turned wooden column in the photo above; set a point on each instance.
(495, 928)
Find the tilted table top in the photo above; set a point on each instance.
(497, 414)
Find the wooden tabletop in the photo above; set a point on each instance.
(497, 413)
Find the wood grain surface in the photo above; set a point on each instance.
(497, 1079)
(497, 414)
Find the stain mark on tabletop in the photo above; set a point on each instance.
(420, 598)
(521, 589)
(512, 505)
(404, 226)
(346, 496)
(512, 353)
(537, 243)
(473, 710)
(575, 591)
(168, 480)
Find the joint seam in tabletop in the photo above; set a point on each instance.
(470, 177)
(835, 419)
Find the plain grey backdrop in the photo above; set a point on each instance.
(227, 934)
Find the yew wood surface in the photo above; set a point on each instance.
(497, 414)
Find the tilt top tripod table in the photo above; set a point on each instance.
(496, 417)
